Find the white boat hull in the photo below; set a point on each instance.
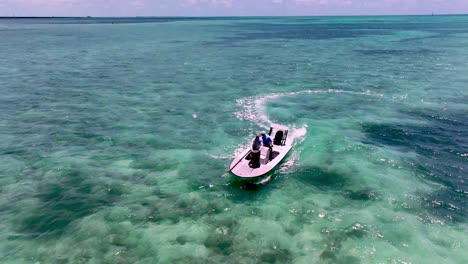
(240, 165)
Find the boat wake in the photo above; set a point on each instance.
(253, 109)
(297, 136)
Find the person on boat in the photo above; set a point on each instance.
(267, 142)
(255, 152)
(256, 143)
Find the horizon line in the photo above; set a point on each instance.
(232, 16)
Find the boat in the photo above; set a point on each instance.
(252, 164)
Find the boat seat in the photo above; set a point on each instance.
(264, 154)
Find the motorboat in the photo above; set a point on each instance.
(252, 163)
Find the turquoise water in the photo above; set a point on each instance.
(115, 139)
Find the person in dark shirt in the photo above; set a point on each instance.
(267, 142)
(256, 143)
(255, 152)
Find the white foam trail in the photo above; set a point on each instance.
(298, 133)
(220, 157)
(288, 165)
(265, 180)
(253, 109)
(296, 136)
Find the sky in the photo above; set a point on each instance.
(228, 7)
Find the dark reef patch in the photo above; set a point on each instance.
(311, 31)
(193, 260)
(220, 243)
(336, 237)
(221, 238)
(361, 195)
(68, 199)
(396, 52)
(181, 240)
(322, 178)
(174, 208)
(439, 145)
(317, 29)
(276, 256)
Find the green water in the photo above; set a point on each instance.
(115, 139)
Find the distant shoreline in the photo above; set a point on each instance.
(202, 17)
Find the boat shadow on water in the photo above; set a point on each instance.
(252, 184)
(246, 191)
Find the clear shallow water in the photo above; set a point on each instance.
(115, 139)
